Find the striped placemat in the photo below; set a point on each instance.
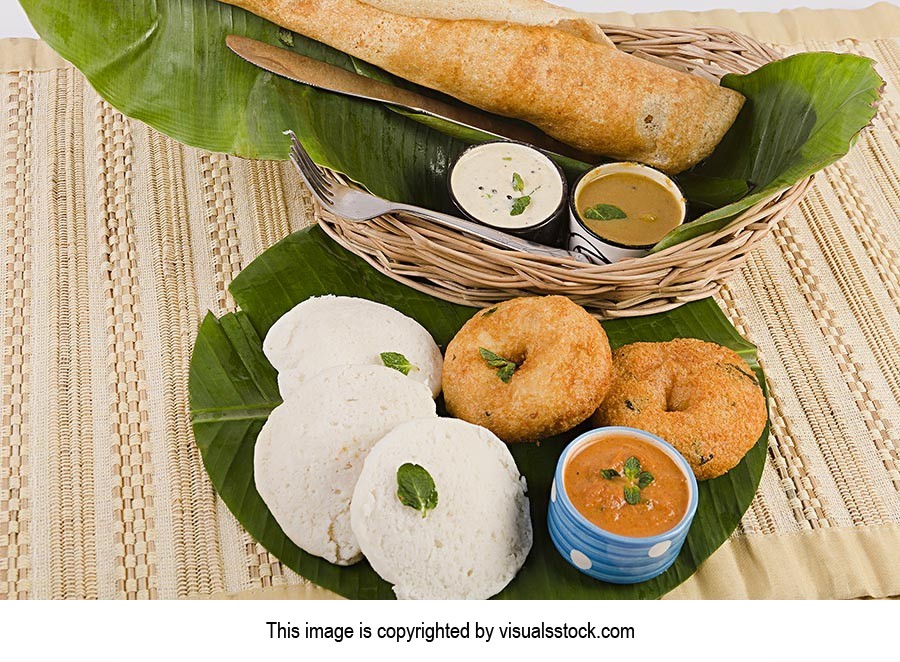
(116, 240)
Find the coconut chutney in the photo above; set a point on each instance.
(507, 185)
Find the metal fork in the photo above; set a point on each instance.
(356, 205)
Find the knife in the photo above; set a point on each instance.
(324, 76)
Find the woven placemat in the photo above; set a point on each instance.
(116, 240)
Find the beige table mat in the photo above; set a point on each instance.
(788, 27)
(116, 240)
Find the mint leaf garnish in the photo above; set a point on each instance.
(635, 479)
(604, 213)
(518, 183)
(506, 372)
(505, 367)
(632, 494)
(493, 360)
(632, 468)
(520, 205)
(415, 488)
(397, 361)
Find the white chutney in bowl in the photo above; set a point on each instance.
(512, 187)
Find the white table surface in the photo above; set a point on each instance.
(13, 22)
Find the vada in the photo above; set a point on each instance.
(528, 368)
(700, 397)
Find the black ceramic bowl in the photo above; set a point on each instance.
(550, 231)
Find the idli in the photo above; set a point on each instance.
(328, 331)
(310, 452)
(460, 530)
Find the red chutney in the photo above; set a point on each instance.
(663, 503)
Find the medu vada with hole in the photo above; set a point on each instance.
(700, 397)
(528, 368)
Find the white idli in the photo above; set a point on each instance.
(472, 544)
(310, 452)
(328, 331)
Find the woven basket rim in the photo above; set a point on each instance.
(463, 270)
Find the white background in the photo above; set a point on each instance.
(665, 631)
(14, 24)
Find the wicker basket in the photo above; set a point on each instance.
(461, 269)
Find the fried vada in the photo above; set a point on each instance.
(528, 368)
(700, 397)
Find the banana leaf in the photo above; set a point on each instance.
(233, 388)
(803, 113)
(165, 62)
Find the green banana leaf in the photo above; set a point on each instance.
(165, 62)
(803, 113)
(233, 388)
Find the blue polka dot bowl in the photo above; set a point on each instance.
(608, 556)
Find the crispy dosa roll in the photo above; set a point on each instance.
(586, 94)
(526, 12)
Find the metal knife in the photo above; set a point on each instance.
(328, 77)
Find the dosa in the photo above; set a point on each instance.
(585, 93)
(526, 12)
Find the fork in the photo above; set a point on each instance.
(359, 206)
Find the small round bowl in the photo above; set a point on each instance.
(549, 231)
(605, 251)
(608, 556)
